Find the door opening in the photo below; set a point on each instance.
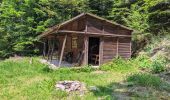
(93, 52)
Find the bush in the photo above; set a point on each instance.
(145, 80)
(158, 65)
(118, 64)
(143, 61)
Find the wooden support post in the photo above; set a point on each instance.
(44, 49)
(130, 49)
(101, 46)
(101, 51)
(117, 51)
(49, 48)
(86, 50)
(86, 45)
(52, 49)
(62, 50)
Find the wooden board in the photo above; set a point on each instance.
(109, 49)
(124, 48)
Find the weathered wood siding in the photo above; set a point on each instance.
(109, 49)
(124, 47)
(113, 47)
(96, 26)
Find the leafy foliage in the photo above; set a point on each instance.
(21, 21)
(159, 65)
(119, 64)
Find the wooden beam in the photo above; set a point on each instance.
(52, 49)
(117, 51)
(62, 51)
(130, 49)
(44, 49)
(86, 50)
(101, 46)
(101, 51)
(49, 48)
(67, 31)
(86, 45)
(90, 33)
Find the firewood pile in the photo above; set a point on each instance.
(70, 86)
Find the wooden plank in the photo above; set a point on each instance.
(101, 51)
(130, 48)
(109, 53)
(52, 50)
(44, 49)
(86, 45)
(62, 51)
(128, 45)
(109, 57)
(117, 51)
(85, 50)
(108, 44)
(92, 33)
(49, 48)
(124, 43)
(124, 49)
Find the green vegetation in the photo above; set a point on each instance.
(149, 80)
(21, 21)
(119, 64)
(145, 80)
(142, 62)
(20, 79)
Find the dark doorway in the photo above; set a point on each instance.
(93, 54)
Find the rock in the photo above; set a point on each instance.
(71, 86)
(59, 86)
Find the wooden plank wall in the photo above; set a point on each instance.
(124, 47)
(96, 25)
(113, 47)
(109, 49)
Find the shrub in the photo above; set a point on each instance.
(145, 80)
(158, 65)
(118, 64)
(143, 61)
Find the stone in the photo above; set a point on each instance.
(71, 86)
(59, 86)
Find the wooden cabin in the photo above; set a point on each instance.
(87, 39)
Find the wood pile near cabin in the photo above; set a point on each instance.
(70, 86)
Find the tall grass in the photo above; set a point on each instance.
(145, 80)
(149, 80)
(119, 64)
(20, 79)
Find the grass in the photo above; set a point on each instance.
(120, 65)
(145, 80)
(149, 80)
(21, 80)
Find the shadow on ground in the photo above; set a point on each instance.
(128, 91)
